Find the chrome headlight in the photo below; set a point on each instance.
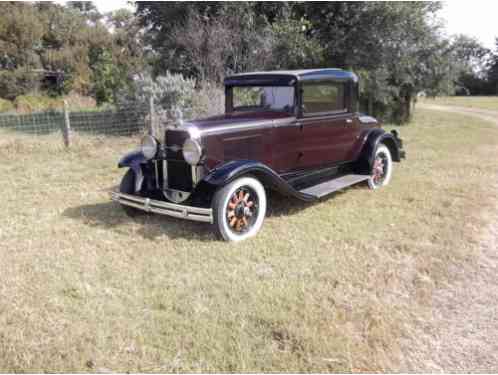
(149, 147)
(192, 151)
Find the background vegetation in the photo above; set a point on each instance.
(398, 49)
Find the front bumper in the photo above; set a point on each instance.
(164, 208)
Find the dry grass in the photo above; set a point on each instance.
(333, 286)
(478, 102)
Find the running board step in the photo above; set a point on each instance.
(335, 184)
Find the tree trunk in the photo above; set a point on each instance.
(407, 110)
(370, 104)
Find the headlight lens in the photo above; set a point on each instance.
(192, 151)
(149, 146)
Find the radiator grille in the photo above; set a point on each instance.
(179, 171)
(179, 175)
(174, 143)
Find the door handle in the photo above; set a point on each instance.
(298, 124)
(349, 121)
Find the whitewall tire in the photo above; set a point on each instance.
(239, 209)
(382, 168)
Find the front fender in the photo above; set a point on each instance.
(231, 170)
(133, 160)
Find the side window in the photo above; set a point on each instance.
(247, 97)
(323, 97)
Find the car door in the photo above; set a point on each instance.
(328, 130)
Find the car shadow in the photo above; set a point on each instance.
(109, 215)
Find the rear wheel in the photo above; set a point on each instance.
(382, 168)
(127, 186)
(239, 209)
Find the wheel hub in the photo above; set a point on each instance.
(240, 211)
(241, 208)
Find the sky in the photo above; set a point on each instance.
(477, 18)
(474, 18)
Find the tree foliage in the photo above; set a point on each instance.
(73, 40)
(492, 72)
(397, 48)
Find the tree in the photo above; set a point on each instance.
(467, 65)
(492, 71)
(292, 47)
(396, 47)
(207, 40)
(20, 36)
(73, 40)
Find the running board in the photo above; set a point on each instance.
(328, 187)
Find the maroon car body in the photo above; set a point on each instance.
(297, 132)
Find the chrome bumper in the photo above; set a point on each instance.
(164, 208)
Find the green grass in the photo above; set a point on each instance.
(478, 102)
(332, 286)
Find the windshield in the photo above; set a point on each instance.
(263, 98)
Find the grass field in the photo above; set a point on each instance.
(333, 286)
(478, 102)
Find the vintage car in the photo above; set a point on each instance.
(295, 132)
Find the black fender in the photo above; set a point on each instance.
(133, 160)
(231, 170)
(372, 139)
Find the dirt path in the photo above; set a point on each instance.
(485, 114)
(462, 335)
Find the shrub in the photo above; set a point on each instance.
(170, 93)
(208, 100)
(17, 82)
(37, 103)
(6, 105)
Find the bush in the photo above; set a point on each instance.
(170, 93)
(208, 100)
(37, 103)
(17, 82)
(6, 106)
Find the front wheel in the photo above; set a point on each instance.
(239, 209)
(382, 168)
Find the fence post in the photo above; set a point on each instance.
(151, 116)
(66, 129)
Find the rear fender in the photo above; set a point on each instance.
(373, 139)
(133, 160)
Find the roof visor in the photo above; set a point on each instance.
(289, 77)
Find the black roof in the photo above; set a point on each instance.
(289, 77)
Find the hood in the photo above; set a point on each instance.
(235, 121)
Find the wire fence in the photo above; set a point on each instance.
(109, 122)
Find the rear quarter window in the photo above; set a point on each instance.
(323, 98)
